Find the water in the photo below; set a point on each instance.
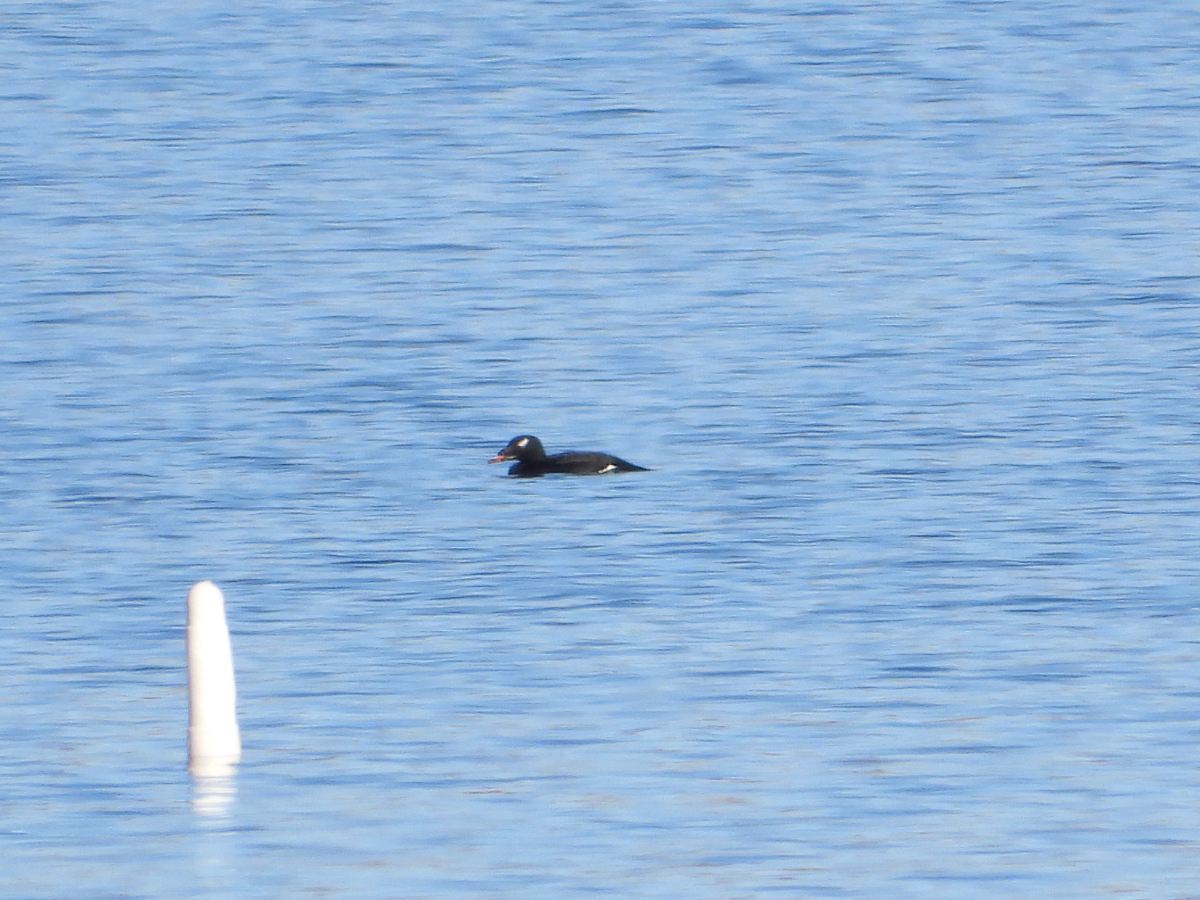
(898, 301)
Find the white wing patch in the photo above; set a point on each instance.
(609, 468)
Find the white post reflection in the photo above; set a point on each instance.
(214, 785)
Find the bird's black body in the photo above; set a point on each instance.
(533, 462)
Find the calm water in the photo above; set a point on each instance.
(899, 302)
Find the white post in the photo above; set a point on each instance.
(214, 744)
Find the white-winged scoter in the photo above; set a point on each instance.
(532, 460)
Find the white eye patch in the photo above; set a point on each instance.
(523, 442)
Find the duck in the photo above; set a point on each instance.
(532, 461)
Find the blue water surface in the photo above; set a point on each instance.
(898, 301)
